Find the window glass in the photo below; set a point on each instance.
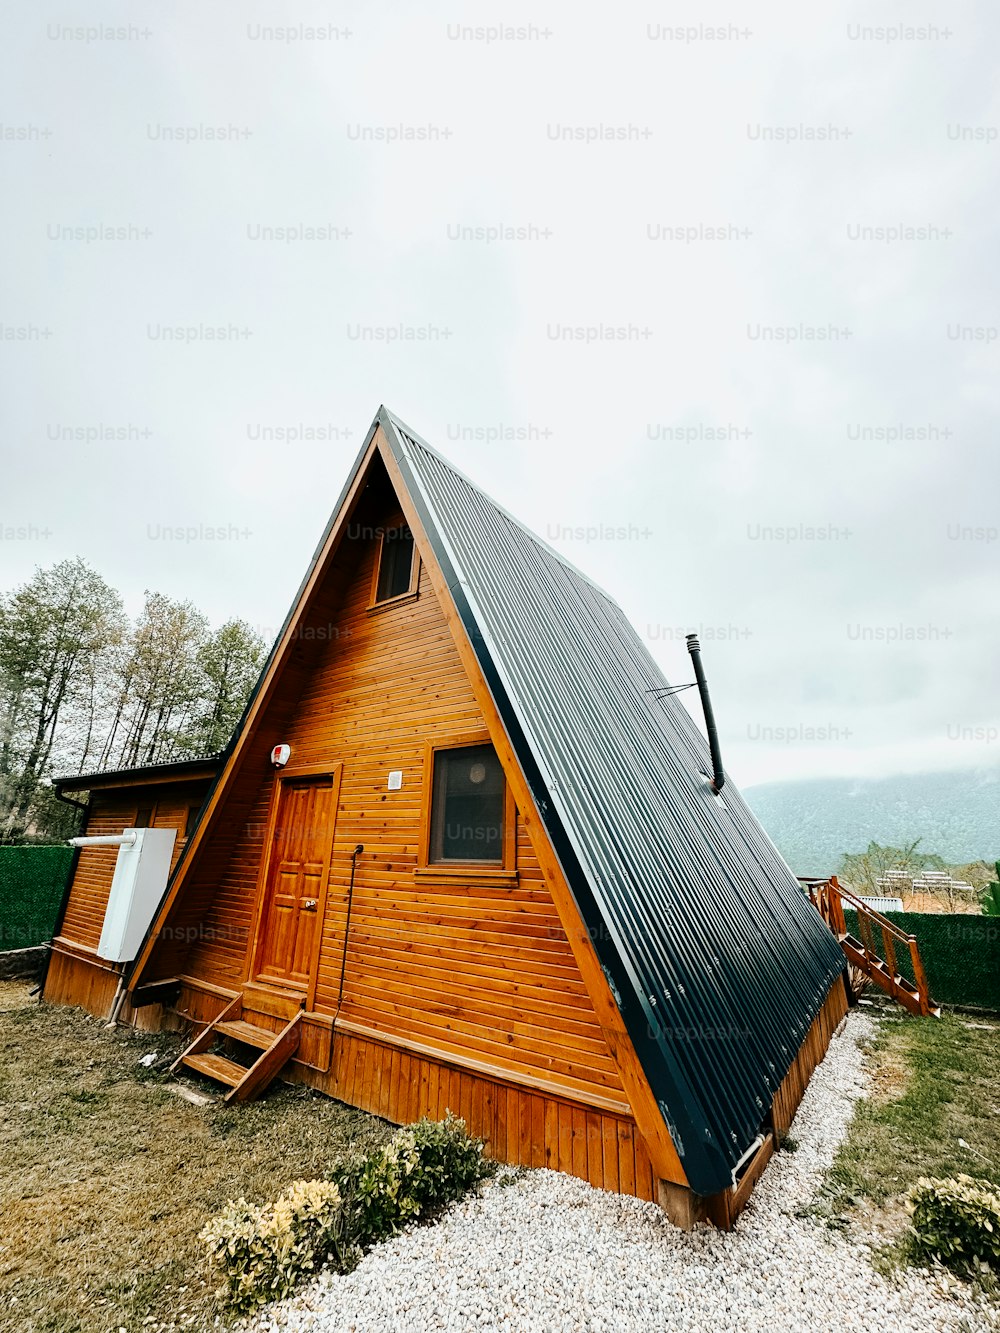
(395, 564)
(467, 806)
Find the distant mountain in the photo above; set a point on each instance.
(813, 822)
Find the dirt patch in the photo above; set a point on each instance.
(890, 1076)
(14, 995)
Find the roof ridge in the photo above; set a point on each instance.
(407, 432)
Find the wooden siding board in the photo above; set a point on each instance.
(626, 1157)
(580, 1142)
(611, 1151)
(551, 1134)
(536, 1131)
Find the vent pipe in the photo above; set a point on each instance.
(126, 839)
(718, 776)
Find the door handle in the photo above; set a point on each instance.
(309, 904)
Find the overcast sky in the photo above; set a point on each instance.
(700, 326)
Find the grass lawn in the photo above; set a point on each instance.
(106, 1177)
(935, 1082)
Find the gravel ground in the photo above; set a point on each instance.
(546, 1253)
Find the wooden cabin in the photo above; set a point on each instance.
(463, 853)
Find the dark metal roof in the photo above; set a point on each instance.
(716, 958)
(169, 769)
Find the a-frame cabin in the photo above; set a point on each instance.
(492, 875)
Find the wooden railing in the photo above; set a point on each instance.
(874, 955)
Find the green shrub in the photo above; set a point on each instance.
(956, 1221)
(376, 1189)
(449, 1162)
(263, 1250)
(421, 1168)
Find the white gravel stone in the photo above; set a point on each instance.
(549, 1254)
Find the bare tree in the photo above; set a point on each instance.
(52, 632)
(80, 688)
(863, 870)
(158, 684)
(229, 663)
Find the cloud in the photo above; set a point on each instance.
(721, 287)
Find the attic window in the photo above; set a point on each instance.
(468, 807)
(397, 565)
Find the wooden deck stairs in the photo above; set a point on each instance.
(266, 1052)
(874, 955)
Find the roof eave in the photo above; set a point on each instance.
(181, 770)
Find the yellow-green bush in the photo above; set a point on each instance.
(957, 1221)
(263, 1250)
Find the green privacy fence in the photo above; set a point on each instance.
(960, 952)
(32, 882)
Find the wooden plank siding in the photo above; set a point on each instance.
(511, 977)
(519, 1126)
(77, 976)
(474, 966)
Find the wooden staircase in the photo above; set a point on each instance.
(879, 964)
(271, 1051)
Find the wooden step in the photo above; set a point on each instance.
(217, 1067)
(243, 1081)
(240, 1030)
(271, 1061)
(204, 1038)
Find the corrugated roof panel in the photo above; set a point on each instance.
(717, 959)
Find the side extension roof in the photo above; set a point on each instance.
(170, 770)
(717, 960)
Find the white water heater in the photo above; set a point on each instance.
(139, 882)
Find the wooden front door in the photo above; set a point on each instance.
(295, 884)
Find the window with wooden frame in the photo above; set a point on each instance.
(397, 567)
(469, 815)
